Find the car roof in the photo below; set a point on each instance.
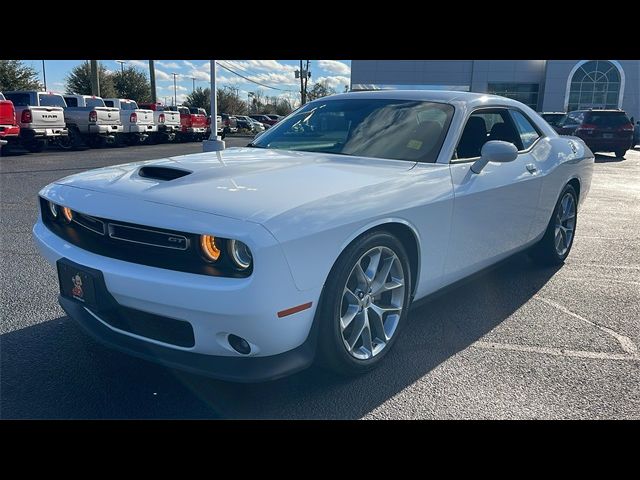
(553, 113)
(472, 99)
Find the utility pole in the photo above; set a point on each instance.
(121, 62)
(303, 100)
(95, 81)
(175, 89)
(307, 74)
(194, 84)
(44, 76)
(152, 80)
(249, 96)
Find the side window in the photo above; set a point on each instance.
(484, 126)
(71, 101)
(528, 134)
(108, 103)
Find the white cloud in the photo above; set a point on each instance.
(335, 66)
(189, 64)
(336, 81)
(167, 64)
(139, 63)
(160, 75)
(260, 65)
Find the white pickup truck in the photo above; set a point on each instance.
(167, 121)
(40, 116)
(89, 121)
(137, 123)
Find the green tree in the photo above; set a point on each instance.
(14, 75)
(133, 84)
(79, 81)
(319, 90)
(200, 98)
(229, 102)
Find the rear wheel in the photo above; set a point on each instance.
(365, 304)
(620, 153)
(555, 245)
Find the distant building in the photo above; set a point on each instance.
(544, 85)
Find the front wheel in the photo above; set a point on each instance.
(365, 304)
(555, 245)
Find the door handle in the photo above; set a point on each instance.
(531, 168)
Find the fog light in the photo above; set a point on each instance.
(67, 214)
(239, 344)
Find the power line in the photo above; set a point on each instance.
(252, 81)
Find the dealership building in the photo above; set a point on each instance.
(544, 85)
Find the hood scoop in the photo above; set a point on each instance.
(162, 173)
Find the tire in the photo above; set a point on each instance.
(35, 146)
(71, 141)
(620, 153)
(546, 252)
(338, 304)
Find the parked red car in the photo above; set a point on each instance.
(601, 130)
(9, 128)
(193, 123)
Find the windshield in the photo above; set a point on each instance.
(380, 128)
(50, 100)
(608, 119)
(94, 102)
(128, 106)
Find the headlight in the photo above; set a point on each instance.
(67, 214)
(53, 208)
(240, 254)
(209, 248)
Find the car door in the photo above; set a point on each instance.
(493, 210)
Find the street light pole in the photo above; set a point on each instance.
(194, 84)
(215, 143)
(175, 89)
(44, 76)
(121, 62)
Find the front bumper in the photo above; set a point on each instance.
(236, 369)
(214, 306)
(105, 129)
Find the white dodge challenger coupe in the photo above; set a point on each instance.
(312, 241)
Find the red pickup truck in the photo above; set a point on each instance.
(9, 128)
(193, 123)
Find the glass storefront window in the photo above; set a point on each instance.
(526, 93)
(596, 84)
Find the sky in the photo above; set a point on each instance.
(274, 73)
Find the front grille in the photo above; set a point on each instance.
(142, 244)
(145, 236)
(156, 327)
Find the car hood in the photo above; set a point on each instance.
(242, 183)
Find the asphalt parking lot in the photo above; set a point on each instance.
(516, 342)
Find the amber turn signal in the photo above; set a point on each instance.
(209, 248)
(67, 214)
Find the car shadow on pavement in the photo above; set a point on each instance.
(608, 158)
(52, 370)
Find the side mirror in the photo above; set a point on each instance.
(495, 151)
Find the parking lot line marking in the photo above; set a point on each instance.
(608, 279)
(604, 265)
(625, 342)
(558, 352)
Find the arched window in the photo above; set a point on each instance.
(595, 84)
